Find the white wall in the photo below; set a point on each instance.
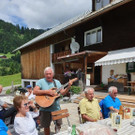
(28, 80)
(118, 69)
(51, 51)
(133, 76)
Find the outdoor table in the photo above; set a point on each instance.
(132, 85)
(63, 133)
(7, 99)
(126, 128)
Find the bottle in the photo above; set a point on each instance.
(69, 130)
(121, 111)
(73, 130)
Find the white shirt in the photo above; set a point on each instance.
(26, 125)
(1, 104)
(31, 96)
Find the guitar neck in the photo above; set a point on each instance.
(62, 87)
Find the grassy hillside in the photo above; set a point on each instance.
(8, 55)
(12, 36)
(7, 80)
(11, 65)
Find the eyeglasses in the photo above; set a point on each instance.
(26, 104)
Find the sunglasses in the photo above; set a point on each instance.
(26, 104)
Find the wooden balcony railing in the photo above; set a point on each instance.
(56, 55)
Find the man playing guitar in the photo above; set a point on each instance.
(46, 86)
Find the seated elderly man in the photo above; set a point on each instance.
(111, 103)
(89, 107)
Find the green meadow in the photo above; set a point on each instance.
(8, 55)
(8, 79)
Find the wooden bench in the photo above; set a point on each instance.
(128, 105)
(130, 89)
(125, 101)
(76, 101)
(80, 98)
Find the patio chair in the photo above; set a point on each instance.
(101, 106)
(79, 114)
(56, 115)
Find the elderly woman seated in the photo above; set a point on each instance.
(24, 123)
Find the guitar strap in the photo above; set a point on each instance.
(56, 87)
(54, 83)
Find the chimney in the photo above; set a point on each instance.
(102, 4)
(93, 5)
(111, 1)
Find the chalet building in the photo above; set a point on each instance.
(82, 42)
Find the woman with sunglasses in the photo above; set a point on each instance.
(24, 123)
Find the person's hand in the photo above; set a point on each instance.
(52, 92)
(112, 109)
(116, 110)
(5, 105)
(70, 83)
(31, 103)
(53, 88)
(81, 133)
(101, 118)
(94, 120)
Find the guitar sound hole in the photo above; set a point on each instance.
(47, 97)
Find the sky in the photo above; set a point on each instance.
(41, 14)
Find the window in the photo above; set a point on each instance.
(26, 83)
(99, 35)
(93, 36)
(101, 3)
(34, 84)
(98, 4)
(89, 68)
(130, 67)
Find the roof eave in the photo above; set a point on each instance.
(88, 17)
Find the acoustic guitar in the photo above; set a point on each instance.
(48, 100)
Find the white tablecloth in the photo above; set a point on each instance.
(104, 128)
(95, 128)
(62, 133)
(126, 127)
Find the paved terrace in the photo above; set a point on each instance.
(73, 111)
(72, 107)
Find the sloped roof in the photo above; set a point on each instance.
(73, 22)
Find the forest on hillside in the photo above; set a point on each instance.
(11, 65)
(11, 37)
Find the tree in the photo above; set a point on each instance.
(12, 36)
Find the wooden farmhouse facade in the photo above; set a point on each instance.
(109, 26)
